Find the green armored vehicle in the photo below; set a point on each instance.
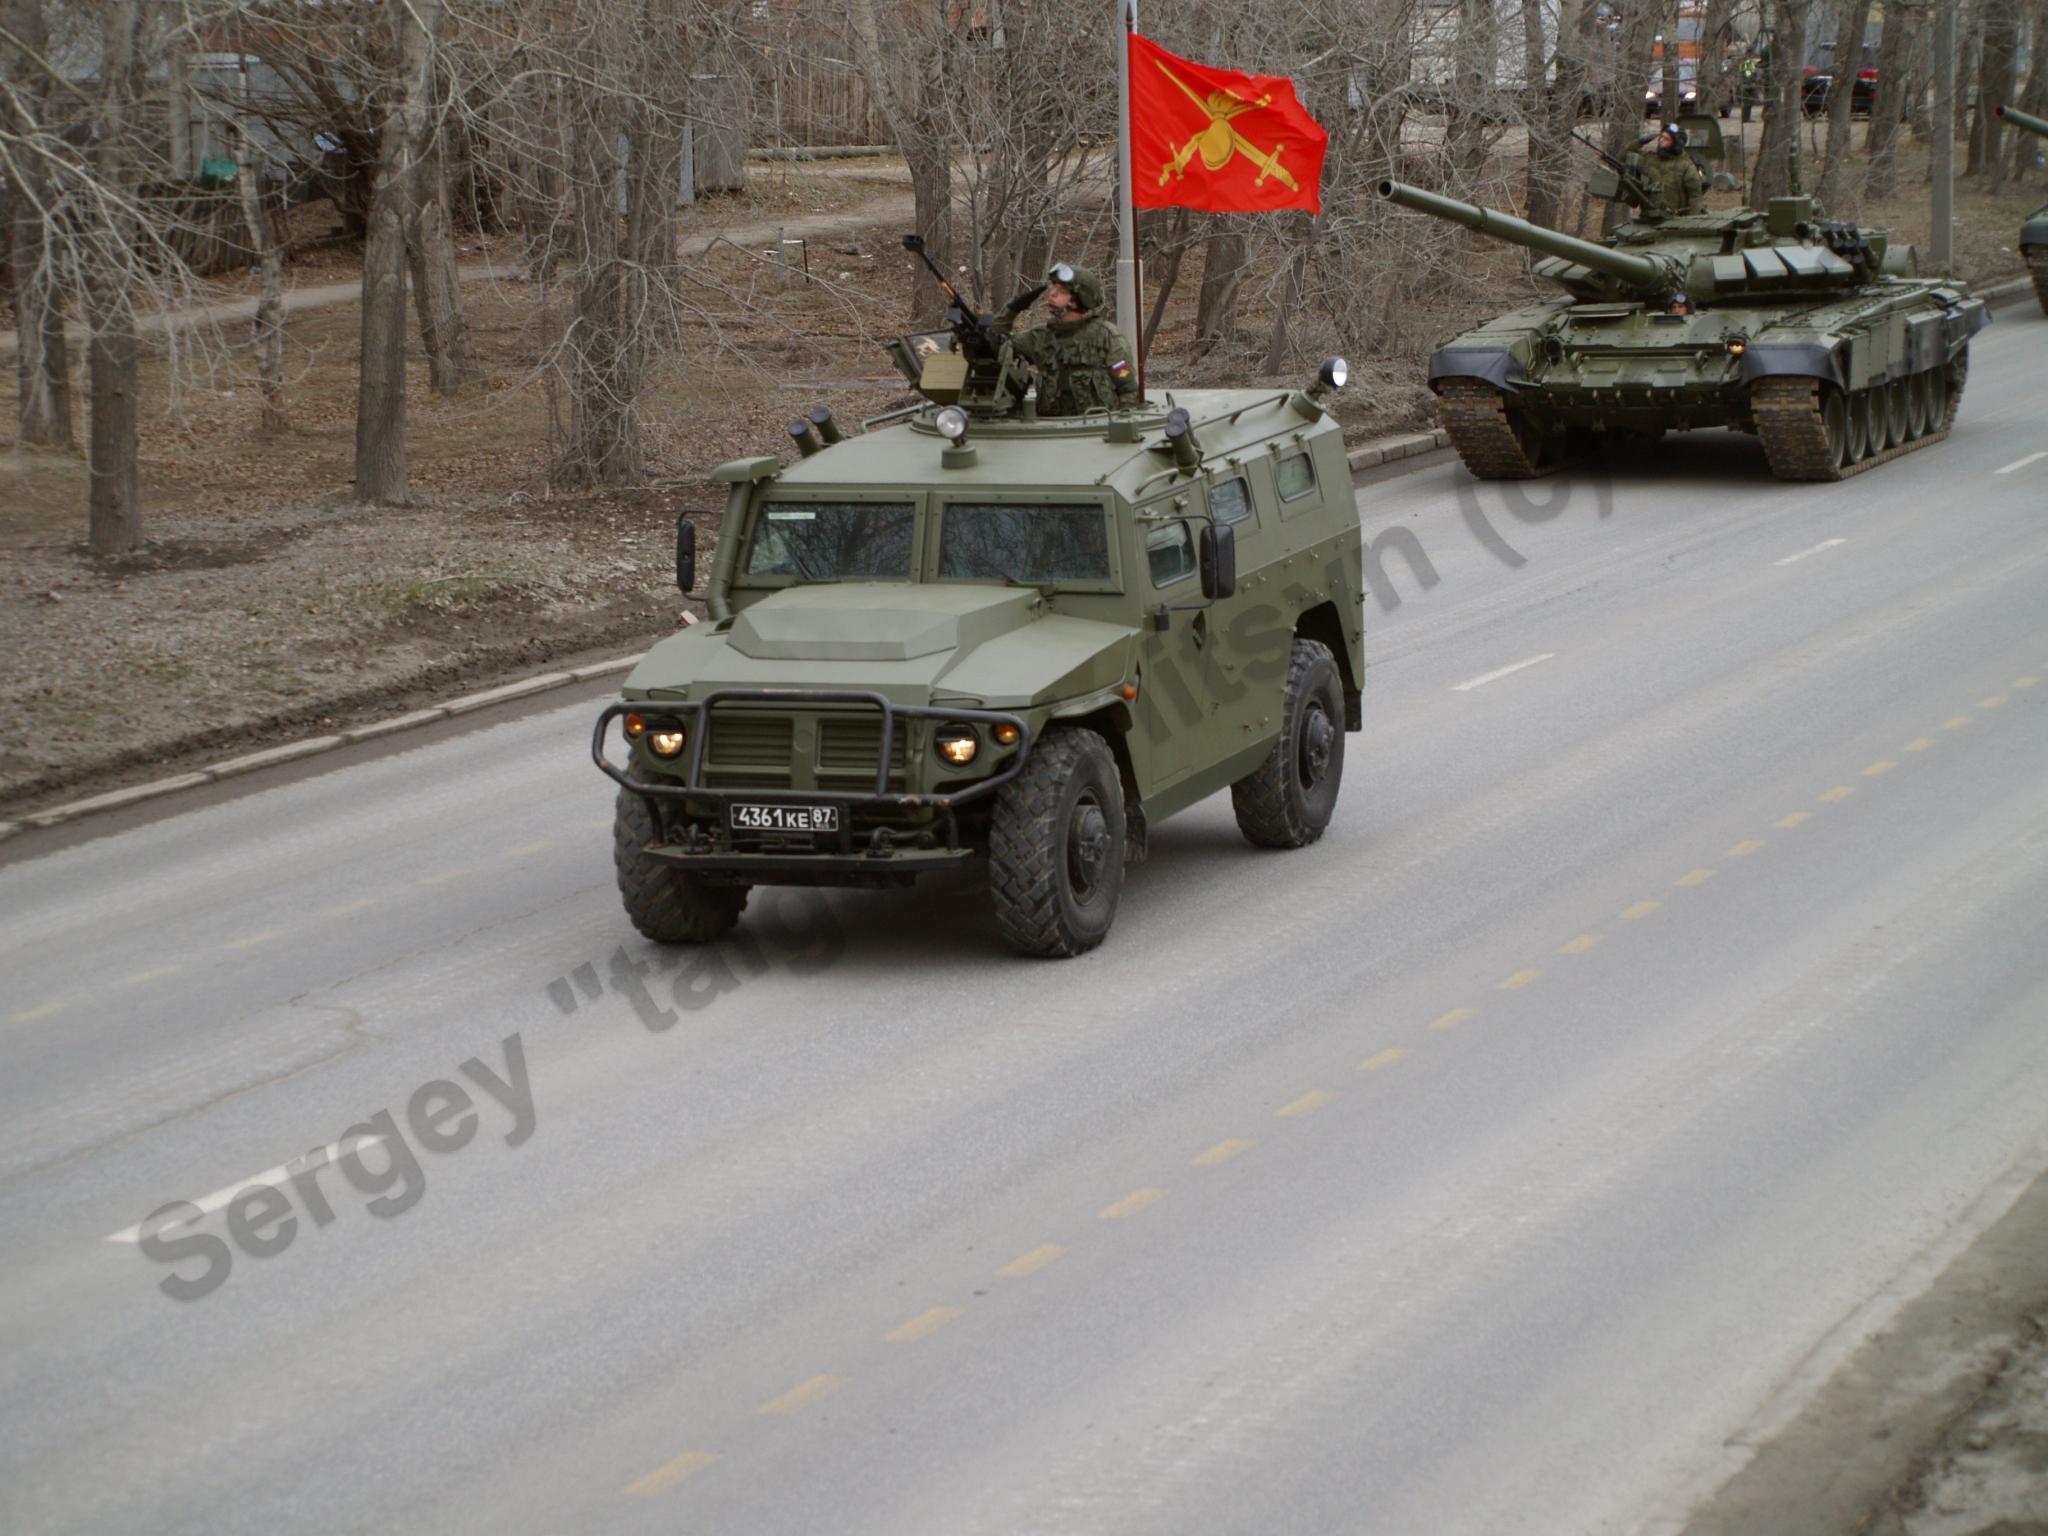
(1814, 335)
(968, 631)
(2033, 233)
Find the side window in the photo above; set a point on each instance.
(1296, 475)
(1170, 551)
(1230, 501)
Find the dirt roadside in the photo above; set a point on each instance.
(1938, 1426)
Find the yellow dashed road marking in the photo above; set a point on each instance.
(802, 1395)
(442, 878)
(1307, 1104)
(1131, 1204)
(1639, 911)
(525, 848)
(1580, 945)
(1516, 982)
(252, 940)
(1452, 1019)
(1787, 823)
(42, 1012)
(1694, 877)
(1875, 769)
(1839, 792)
(1222, 1152)
(922, 1326)
(1991, 703)
(1955, 724)
(1392, 1054)
(1031, 1263)
(670, 1473)
(349, 906)
(152, 974)
(1744, 849)
(1919, 743)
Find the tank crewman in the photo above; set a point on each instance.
(1083, 361)
(1668, 180)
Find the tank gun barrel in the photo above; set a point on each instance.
(2026, 120)
(1623, 267)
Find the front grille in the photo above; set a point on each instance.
(848, 748)
(747, 747)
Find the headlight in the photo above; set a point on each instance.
(666, 742)
(1335, 373)
(952, 423)
(957, 744)
(1006, 734)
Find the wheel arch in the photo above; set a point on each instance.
(1323, 622)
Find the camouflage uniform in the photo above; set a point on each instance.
(1670, 183)
(1082, 364)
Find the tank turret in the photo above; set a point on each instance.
(2033, 233)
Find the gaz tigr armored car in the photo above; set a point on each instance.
(2033, 233)
(970, 632)
(1814, 335)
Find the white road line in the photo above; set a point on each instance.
(2031, 458)
(208, 1204)
(1493, 677)
(1824, 544)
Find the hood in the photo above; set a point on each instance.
(877, 622)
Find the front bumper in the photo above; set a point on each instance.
(851, 855)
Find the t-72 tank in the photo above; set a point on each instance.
(2033, 233)
(1814, 335)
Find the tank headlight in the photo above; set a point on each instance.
(1737, 346)
(1335, 373)
(957, 744)
(666, 741)
(952, 423)
(1005, 734)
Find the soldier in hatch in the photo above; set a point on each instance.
(1667, 180)
(1083, 361)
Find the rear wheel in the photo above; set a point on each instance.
(1056, 847)
(1288, 800)
(667, 904)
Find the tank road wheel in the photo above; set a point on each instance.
(1916, 403)
(1494, 442)
(1937, 398)
(1897, 431)
(1955, 377)
(1288, 800)
(1858, 447)
(667, 904)
(1056, 847)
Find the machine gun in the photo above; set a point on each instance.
(1628, 186)
(980, 370)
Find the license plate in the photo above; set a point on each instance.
(785, 818)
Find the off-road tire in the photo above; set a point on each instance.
(1288, 800)
(667, 904)
(1056, 847)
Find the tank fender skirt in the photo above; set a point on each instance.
(1493, 365)
(1804, 359)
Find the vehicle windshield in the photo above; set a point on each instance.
(1028, 542)
(833, 540)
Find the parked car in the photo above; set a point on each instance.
(1819, 79)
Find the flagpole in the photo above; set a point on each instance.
(1129, 278)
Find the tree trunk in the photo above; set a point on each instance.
(42, 359)
(1167, 256)
(1290, 295)
(436, 284)
(2027, 147)
(1995, 85)
(1625, 100)
(1853, 19)
(1895, 50)
(380, 473)
(269, 324)
(1556, 109)
(1471, 88)
(113, 514)
(1777, 157)
(1223, 259)
(604, 440)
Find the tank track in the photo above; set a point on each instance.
(1476, 418)
(1795, 439)
(2037, 264)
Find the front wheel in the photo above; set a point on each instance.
(667, 904)
(1056, 847)
(1288, 800)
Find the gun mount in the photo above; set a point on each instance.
(1605, 271)
(975, 367)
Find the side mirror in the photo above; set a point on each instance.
(686, 553)
(1219, 561)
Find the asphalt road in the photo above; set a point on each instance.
(1670, 986)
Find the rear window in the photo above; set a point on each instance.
(1023, 541)
(832, 540)
(1229, 501)
(1296, 475)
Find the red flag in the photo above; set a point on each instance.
(1218, 139)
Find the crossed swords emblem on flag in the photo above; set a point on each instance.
(1219, 141)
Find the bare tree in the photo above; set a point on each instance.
(113, 514)
(1777, 157)
(41, 360)
(1904, 21)
(1852, 18)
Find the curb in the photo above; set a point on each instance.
(1388, 449)
(313, 746)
